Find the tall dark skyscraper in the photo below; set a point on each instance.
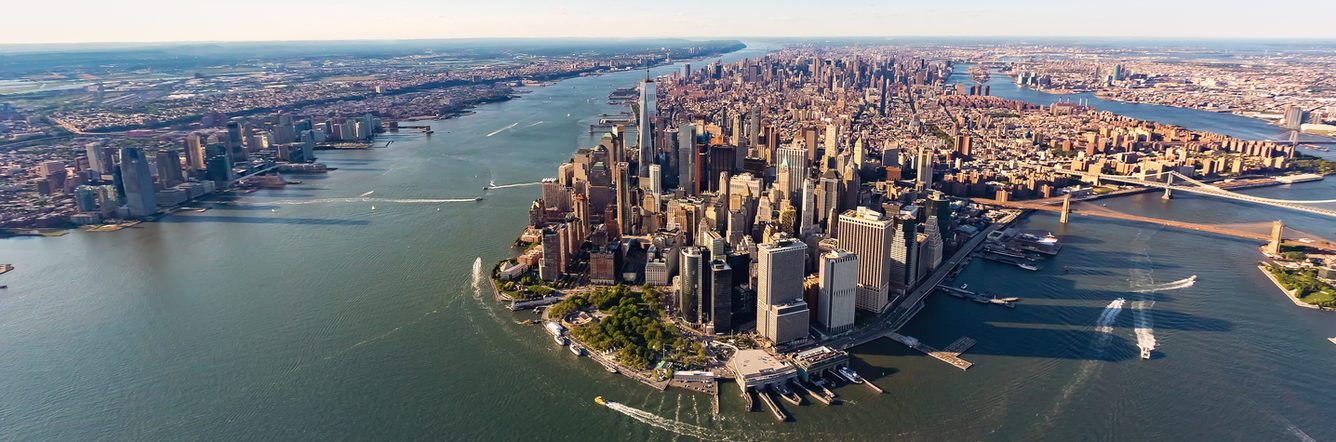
(645, 132)
(138, 181)
(687, 169)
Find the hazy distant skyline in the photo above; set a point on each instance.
(75, 21)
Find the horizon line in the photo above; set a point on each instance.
(687, 38)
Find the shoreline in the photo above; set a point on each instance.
(1099, 95)
(1288, 293)
(462, 112)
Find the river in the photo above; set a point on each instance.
(312, 313)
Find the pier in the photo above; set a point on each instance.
(966, 294)
(770, 403)
(950, 356)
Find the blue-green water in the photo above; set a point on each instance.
(304, 314)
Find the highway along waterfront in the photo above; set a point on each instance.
(315, 312)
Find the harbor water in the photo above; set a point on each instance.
(355, 306)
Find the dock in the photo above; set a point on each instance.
(952, 356)
(816, 396)
(774, 408)
(522, 305)
(966, 294)
(715, 398)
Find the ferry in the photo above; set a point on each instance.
(850, 375)
(1145, 353)
(1028, 266)
(1333, 340)
(577, 350)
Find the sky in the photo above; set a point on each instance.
(75, 21)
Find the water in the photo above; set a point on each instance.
(304, 314)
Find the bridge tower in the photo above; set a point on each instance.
(1066, 208)
(1277, 232)
(1167, 189)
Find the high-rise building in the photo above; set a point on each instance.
(692, 284)
(866, 233)
(904, 254)
(194, 146)
(837, 274)
(793, 158)
(169, 168)
(720, 318)
(687, 162)
(655, 179)
(645, 133)
(923, 166)
(233, 142)
(781, 314)
(138, 181)
(97, 159)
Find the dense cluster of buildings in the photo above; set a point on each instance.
(92, 180)
(754, 192)
(781, 195)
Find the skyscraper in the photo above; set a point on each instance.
(687, 169)
(866, 233)
(97, 158)
(781, 314)
(195, 151)
(721, 296)
(645, 133)
(795, 159)
(692, 284)
(138, 181)
(837, 273)
(904, 254)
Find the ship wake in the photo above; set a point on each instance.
(663, 423)
(1174, 285)
(512, 125)
(477, 277)
(493, 185)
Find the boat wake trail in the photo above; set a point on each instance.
(1105, 322)
(512, 125)
(368, 193)
(1145, 328)
(1089, 367)
(663, 423)
(1175, 285)
(477, 277)
(493, 185)
(535, 124)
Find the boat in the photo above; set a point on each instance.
(964, 286)
(1145, 353)
(560, 340)
(477, 198)
(599, 400)
(1333, 340)
(850, 375)
(1066, 269)
(577, 350)
(1028, 266)
(4, 286)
